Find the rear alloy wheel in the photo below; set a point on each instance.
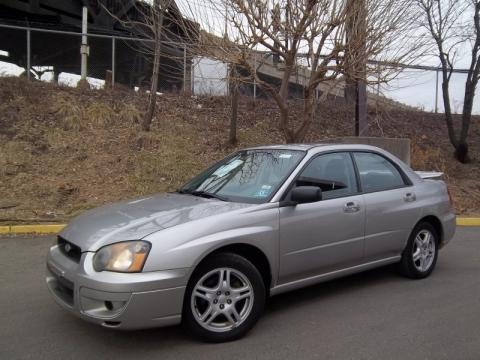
(224, 298)
(420, 255)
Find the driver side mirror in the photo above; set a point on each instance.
(306, 194)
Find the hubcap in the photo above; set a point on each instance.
(423, 250)
(222, 299)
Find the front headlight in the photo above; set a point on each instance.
(127, 256)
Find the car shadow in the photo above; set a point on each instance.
(175, 336)
(332, 288)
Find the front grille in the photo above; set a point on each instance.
(70, 250)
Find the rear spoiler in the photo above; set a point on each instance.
(429, 174)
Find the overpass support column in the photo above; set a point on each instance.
(84, 50)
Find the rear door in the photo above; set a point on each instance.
(326, 235)
(390, 201)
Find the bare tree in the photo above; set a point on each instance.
(454, 25)
(155, 22)
(150, 23)
(306, 42)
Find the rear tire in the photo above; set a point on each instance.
(224, 298)
(420, 255)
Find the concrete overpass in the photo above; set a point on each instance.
(62, 50)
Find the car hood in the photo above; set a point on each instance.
(135, 219)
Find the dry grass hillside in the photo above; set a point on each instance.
(63, 150)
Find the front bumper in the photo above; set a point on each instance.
(117, 300)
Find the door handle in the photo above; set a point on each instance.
(409, 197)
(351, 207)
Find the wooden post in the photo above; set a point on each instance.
(356, 63)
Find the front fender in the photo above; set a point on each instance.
(185, 246)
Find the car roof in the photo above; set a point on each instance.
(307, 147)
(303, 147)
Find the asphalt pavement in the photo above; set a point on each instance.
(373, 315)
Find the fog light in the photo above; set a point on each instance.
(109, 305)
(114, 305)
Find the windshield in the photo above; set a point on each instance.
(250, 176)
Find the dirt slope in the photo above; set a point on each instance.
(63, 150)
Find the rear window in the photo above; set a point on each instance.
(377, 173)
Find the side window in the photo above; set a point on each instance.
(333, 173)
(377, 173)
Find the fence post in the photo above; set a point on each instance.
(28, 54)
(184, 68)
(192, 77)
(113, 61)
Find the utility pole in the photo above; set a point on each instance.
(84, 49)
(225, 34)
(356, 63)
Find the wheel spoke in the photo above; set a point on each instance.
(418, 241)
(206, 290)
(227, 281)
(417, 255)
(211, 318)
(240, 295)
(232, 315)
(427, 238)
(202, 295)
(207, 312)
(424, 263)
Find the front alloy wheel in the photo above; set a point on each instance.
(224, 298)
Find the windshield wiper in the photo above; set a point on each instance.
(203, 194)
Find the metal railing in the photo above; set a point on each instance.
(128, 62)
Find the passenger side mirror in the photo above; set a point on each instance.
(306, 194)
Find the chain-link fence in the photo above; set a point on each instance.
(54, 55)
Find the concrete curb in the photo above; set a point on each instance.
(55, 228)
(470, 221)
(31, 229)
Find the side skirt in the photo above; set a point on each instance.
(332, 275)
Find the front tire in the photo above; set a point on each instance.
(224, 298)
(420, 255)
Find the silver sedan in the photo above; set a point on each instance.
(260, 222)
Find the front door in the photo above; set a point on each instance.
(326, 235)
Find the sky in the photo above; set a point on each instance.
(417, 88)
